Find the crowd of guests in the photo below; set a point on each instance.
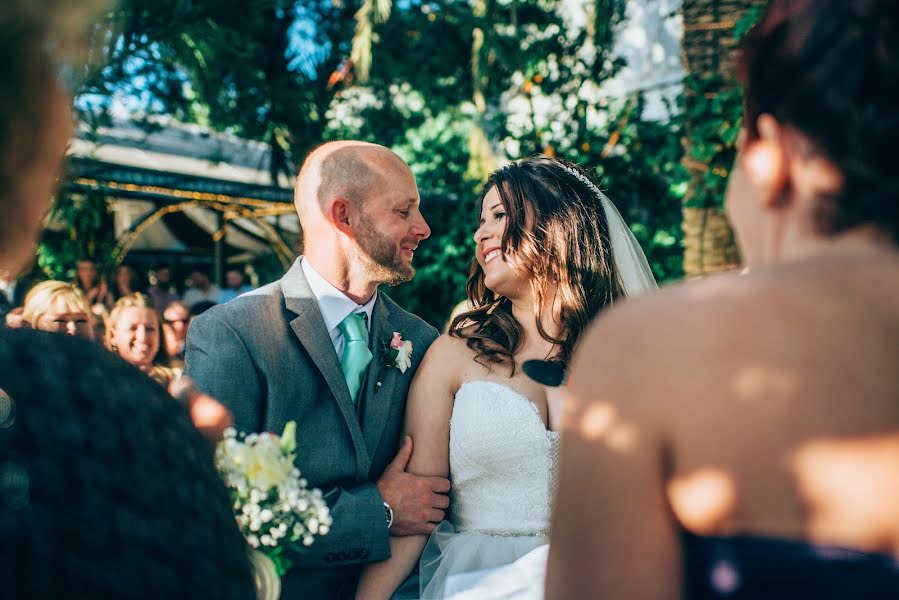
(146, 326)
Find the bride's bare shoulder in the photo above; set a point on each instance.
(446, 352)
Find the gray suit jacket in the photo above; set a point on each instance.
(268, 357)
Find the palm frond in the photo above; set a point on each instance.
(370, 13)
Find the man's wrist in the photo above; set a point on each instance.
(388, 514)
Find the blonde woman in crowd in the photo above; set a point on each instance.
(58, 307)
(134, 332)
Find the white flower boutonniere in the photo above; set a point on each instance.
(397, 353)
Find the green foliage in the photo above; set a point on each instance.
(440, 77)
(714, 109)
(438, 154)
(638, 165)
(87, 232)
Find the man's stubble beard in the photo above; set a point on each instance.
(383, 261)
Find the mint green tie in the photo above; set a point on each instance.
(356, 354)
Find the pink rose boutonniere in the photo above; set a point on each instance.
(397, 353)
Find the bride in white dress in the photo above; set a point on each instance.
(551, 252)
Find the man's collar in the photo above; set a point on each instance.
(333, 303)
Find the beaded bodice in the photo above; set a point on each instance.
(502, 460)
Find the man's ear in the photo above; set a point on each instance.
(765, 161)
(339, 214)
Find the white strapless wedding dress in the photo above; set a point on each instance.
(502, 463)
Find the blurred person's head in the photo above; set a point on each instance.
(133, 331)
(821, 122)
(162, 275)
(35, 113)
(58, 307)
(87, 273)
(109, 490)
(199, 278)
(125, 279)
(175, 319)
(234, 279)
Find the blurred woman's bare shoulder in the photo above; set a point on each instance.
(668, 344)
(678, 312)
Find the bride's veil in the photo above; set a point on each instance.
(630, 261)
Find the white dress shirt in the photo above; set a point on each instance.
(335, 306)
(8, 288)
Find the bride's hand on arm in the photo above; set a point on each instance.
(428, 410)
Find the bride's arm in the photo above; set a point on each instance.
(428, 410)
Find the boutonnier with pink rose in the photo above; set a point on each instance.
(397, 353)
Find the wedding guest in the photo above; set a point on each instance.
(107, 489)
(13, 289)
(738, 437)
(58, 307)
(235, 285)
(175, 319)
(126, 282)
(133, 332)
(94, 287)
(200, 288)
(161, 291)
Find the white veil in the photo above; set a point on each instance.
(630, 261)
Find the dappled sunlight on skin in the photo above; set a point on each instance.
(765, 383)
(622, 437)
(599, 422)
(703, 499)
(596, 420)
(714, 287)
(850, 488)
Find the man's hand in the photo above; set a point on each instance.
(418, 502)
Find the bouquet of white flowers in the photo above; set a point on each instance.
(274, 507)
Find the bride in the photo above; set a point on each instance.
(551, 252)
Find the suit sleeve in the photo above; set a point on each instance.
(359, 531)
(220, 365)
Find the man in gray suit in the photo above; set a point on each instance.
(311, 348)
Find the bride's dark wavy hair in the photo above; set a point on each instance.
(556, 237)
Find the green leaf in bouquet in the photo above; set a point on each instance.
(289, 437)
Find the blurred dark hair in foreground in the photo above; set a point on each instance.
(106, 488)
(830, 68)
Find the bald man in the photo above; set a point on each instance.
(312, 348)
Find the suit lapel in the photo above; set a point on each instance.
(378, 402)
(309, 327)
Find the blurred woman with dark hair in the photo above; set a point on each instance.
(738, 437)
(126, 282)
(109, 491)
(106, 489)
(546, 263)
(94, 288)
